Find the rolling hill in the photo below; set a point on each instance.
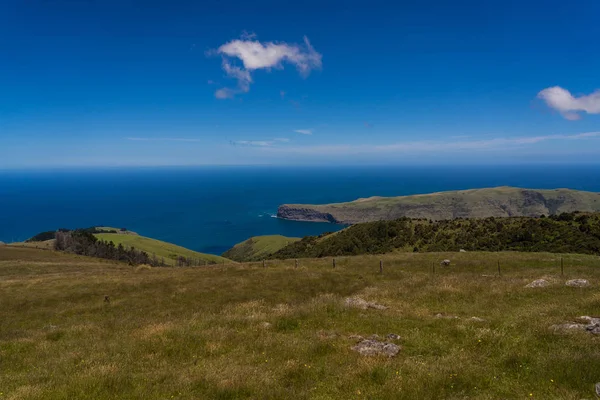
(475, 203)
(258, 247)
(169, 251)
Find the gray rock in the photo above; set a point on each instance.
(538, 283)
(266, 325)
(393, 336)
(357, 302)
(375, 348)
(445, 263)
(590, 320)
(440, 315)
(462, 251)
(593, 329)
(577, 283)
(598, 389)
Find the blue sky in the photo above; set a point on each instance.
(140, 83)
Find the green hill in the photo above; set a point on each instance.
(566, 233)
(169, 251)
(476, 203)
(258, 247)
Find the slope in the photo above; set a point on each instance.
(258, 247)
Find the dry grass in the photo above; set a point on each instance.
(247, 332)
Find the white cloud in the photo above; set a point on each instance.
(304, 131)
(225, 93)
(255, 143)
(257, 55)
(163, 139)
(568, 105)
(433, 145)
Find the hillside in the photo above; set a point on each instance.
(476, 203)
(566, 233)
(258, 247)
(282, 332)
(169, 251)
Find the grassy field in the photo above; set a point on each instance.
(258, 247)
(241, 331)
(162, 249)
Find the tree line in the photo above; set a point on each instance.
(564, 233)
(85, 243)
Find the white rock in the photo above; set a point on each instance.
(538, 283)
(577, 283)
(375, 347)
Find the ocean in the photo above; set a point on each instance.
(209, 209)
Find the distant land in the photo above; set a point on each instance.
(475, 203)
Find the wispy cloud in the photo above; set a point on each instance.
(304, 131)
(434, 146)
(256, 55)
(163, 139)
(568, 105)
(253, 143)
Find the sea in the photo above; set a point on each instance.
(209, 209)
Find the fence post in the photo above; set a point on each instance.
(562, 267)
(381, 266)
(334, 262)
(296, 263)
(499, 273)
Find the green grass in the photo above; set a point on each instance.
(162, 249)
(258, 247)
(248, 332)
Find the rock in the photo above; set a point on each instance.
(598, 389)
(440, 315)
(266, 325)
(357, 302)
(462, 251)
(577, 283)
(477, 319)
(590, 320)
(589, 324)
(593, 329)
(538, 283)
(375, 347)
(393, 336)
(445, 263)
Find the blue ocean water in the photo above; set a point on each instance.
(209, 209)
